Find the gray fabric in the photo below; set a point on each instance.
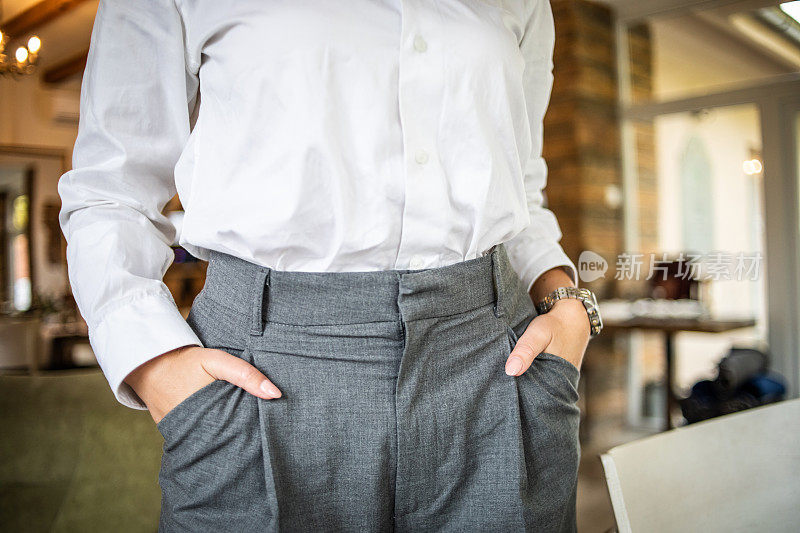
(396, 413)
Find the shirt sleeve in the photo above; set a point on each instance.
(536, 249)
(137, 96)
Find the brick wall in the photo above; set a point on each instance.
(581, 142)
(581, 147)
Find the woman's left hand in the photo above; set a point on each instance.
(563, 331)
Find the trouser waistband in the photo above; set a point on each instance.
(335, 298)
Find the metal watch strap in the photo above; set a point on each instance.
(584, 295)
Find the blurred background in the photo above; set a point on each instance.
(673, 146)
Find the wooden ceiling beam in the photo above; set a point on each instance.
(37, 16)
(66, 69)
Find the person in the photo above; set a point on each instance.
(366, 186)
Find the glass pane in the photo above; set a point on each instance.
(15, 260)
(712, 50)
(704, 206)
(797, 143)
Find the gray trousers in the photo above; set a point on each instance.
(396, 413)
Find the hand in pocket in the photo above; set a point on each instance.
(563, 332)
(165, 381)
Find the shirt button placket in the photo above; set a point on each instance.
(421, 79)
(421, 157)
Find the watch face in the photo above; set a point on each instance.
(596, 322)
(593, 298)
(599, 325)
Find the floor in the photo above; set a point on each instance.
(594, 506)
(595, 514)
(72, 460)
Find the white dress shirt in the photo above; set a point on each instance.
(301, 135)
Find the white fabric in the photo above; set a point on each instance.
(734, 473)
(301, 135)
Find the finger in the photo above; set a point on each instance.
(530, 344)
(222, 365)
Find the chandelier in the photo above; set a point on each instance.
(24, 58)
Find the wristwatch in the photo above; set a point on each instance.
(584, 295)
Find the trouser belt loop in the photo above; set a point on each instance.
(497, 281)
(260, 299)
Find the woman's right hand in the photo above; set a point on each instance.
(165, 381)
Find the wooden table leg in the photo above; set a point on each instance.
(669, 347)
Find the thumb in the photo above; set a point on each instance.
(531, 343)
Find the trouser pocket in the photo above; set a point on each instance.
(212, 466)
(549, 418)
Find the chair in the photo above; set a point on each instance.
(739, 472)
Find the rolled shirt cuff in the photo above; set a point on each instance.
(135, 332)
(532, 258)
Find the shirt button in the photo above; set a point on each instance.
(421, 157)
(419, 44)
(416, 263)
